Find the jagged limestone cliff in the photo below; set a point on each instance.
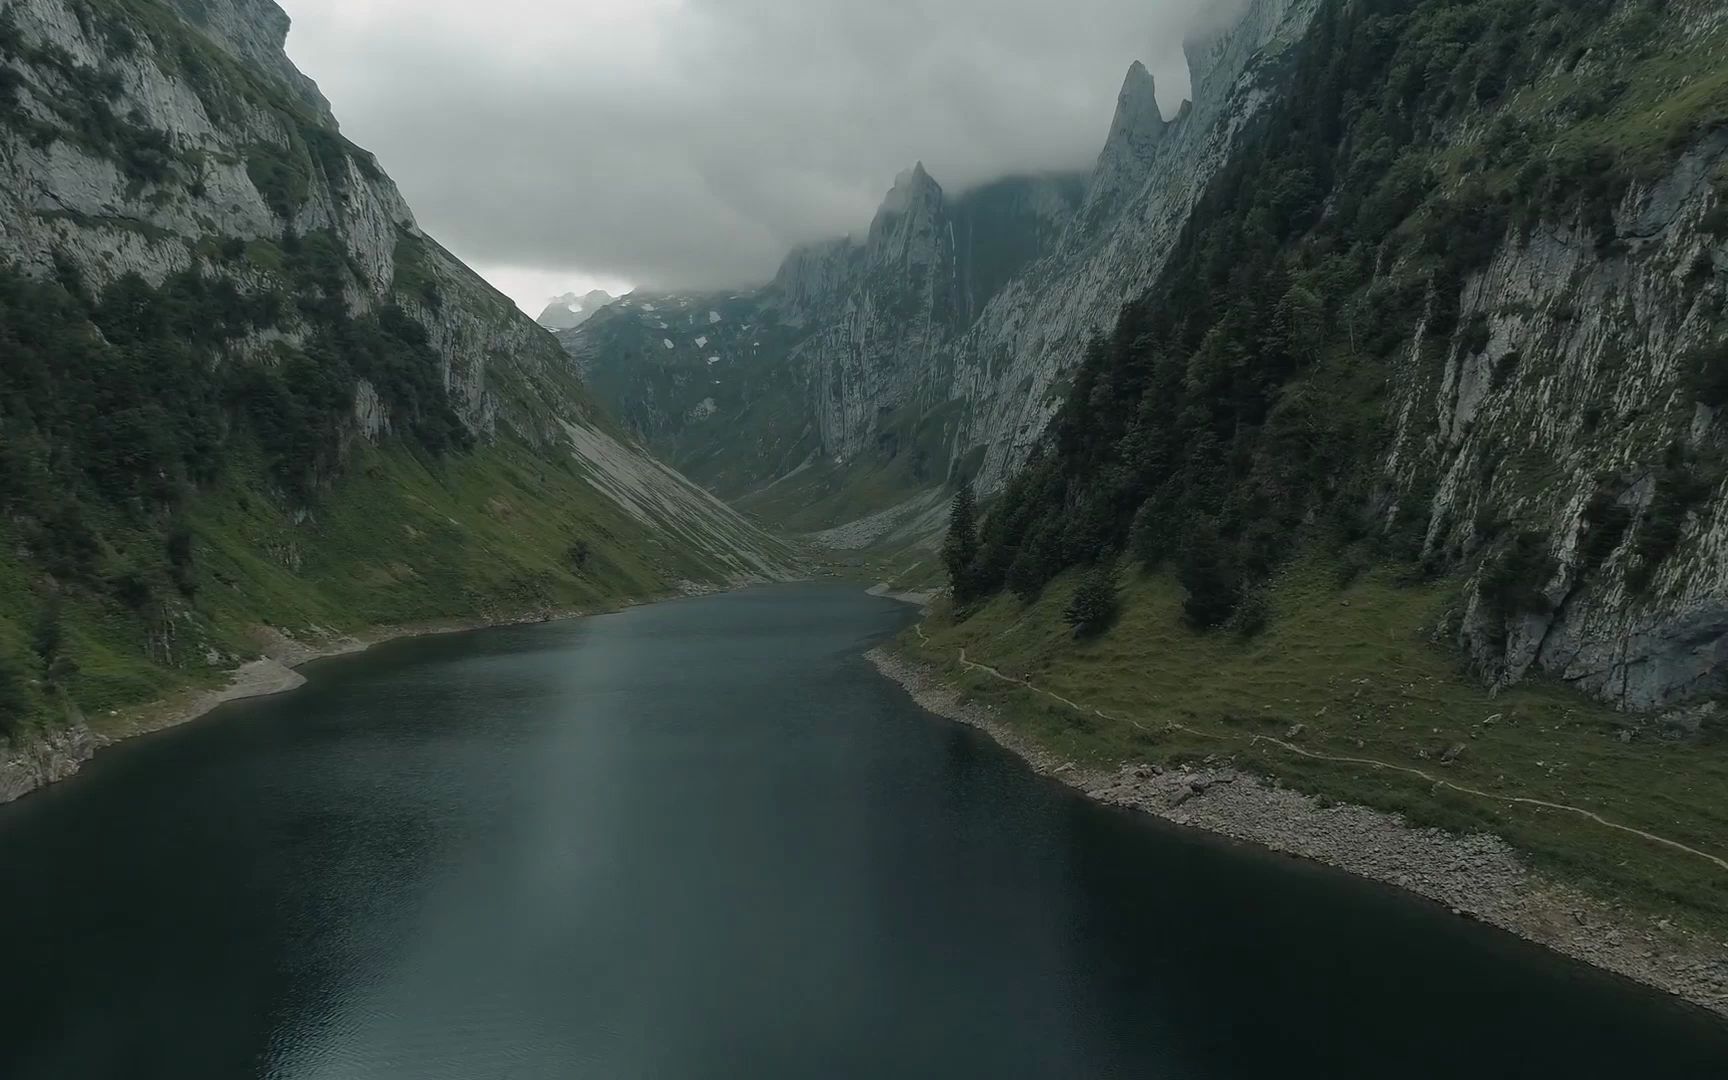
(243, 387)
(1568, 405)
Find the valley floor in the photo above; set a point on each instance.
(1342, 734)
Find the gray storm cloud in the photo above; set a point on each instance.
(692, 142)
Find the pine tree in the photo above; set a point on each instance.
(1206, 572)
(960, 550)
(14, 700)
(1146, 535)
(1095, 603)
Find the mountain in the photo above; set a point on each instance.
(248, 404)
(825, 372)
(704, 378)
(569, 311)
(1454, 302)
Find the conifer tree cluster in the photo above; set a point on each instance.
(960, 550)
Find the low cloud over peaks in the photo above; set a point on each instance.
(691, 142)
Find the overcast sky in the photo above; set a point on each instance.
(573, 144)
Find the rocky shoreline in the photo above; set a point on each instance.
(1477, 876)
(59, 754)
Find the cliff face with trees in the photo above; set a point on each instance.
(1432, 281)
(1456, 300)
(241, 386)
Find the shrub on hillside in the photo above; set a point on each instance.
(1679, 488)
(1252, 614)
(1514, 581)
(578, 554)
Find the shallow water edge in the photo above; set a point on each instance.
(58, 755)
(1477, 877)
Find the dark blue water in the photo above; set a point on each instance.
(705, 839)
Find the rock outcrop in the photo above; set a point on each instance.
(28, 764)
(1566, 405)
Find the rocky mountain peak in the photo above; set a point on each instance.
(569, 311)
(1138, 121)
(909, 226)
(1138, 126)
(1136, 133)
(913, 188)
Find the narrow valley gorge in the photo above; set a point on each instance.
(1336, 465)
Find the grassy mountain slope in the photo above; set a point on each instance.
(1351, 670)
